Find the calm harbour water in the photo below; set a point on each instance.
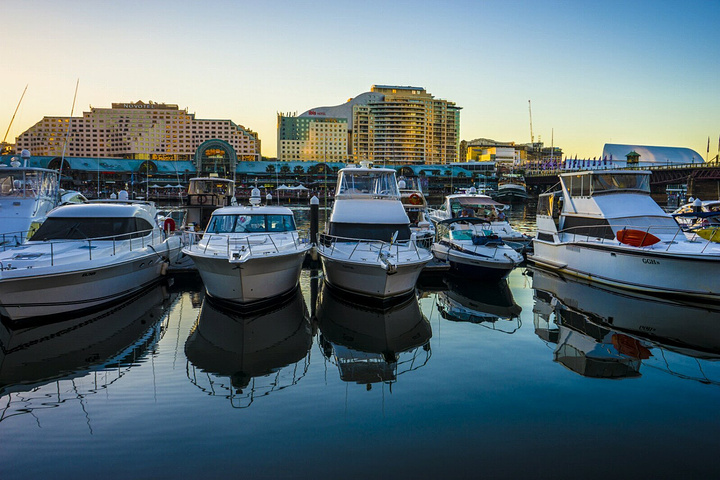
(535, 377)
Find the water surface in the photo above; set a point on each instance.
(535, 377)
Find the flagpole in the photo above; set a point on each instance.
(707, 156)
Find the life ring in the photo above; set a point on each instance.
(201, 199)
(415, 199)
(169, 225)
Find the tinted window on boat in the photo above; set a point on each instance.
(382, 232)
(615, 182)
(578, 185)
(83, 228)
(251, 223)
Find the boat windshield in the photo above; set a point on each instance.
(28, 184)
(412, 184)
(251, 223)
(584, 185)
(615, 182)
(69, 228)
(368, 182)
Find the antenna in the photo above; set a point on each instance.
(13, 117)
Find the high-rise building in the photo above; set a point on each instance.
(312, 138)
(389, 124)
(144, 131)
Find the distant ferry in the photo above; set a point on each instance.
(511, 189)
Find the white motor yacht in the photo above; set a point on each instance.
(368, 248)
(472, 249)
(249, 254)
(603, 226)
(480, 205)
(83, 256)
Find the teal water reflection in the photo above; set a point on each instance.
(535, 377)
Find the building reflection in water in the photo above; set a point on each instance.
(610, 333)
(242, 356)
(488, 304)
(371, 345)
(46, 365)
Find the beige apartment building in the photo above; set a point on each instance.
(143, 131)
(387, 125)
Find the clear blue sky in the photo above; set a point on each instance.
(639, 72)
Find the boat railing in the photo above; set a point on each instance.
(265, 241)
(383, 248)
(667, 234)
(133, 241)
(12, 239)
(477, 250)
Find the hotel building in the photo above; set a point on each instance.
(388, 125)
(142, 131)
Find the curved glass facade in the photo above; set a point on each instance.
(216, 156)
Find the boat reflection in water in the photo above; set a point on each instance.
(371, 345)
(483, 303)
(48, 364)
(609, 333)
(241, 356)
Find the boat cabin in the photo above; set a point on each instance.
(210, 191)
(33, 183)
(367, 206)
(26, 196)
(95, 221)
(205, 195)
(597, 203)
(366, 181)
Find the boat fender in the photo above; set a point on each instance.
(164, 268)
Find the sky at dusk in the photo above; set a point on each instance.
(636, 72)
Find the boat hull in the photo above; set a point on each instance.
(474, 266)
(371, 279)
(253, 280)
(511, 195)
(637, 269)
(27, 297)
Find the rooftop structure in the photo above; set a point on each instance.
(651, 155)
